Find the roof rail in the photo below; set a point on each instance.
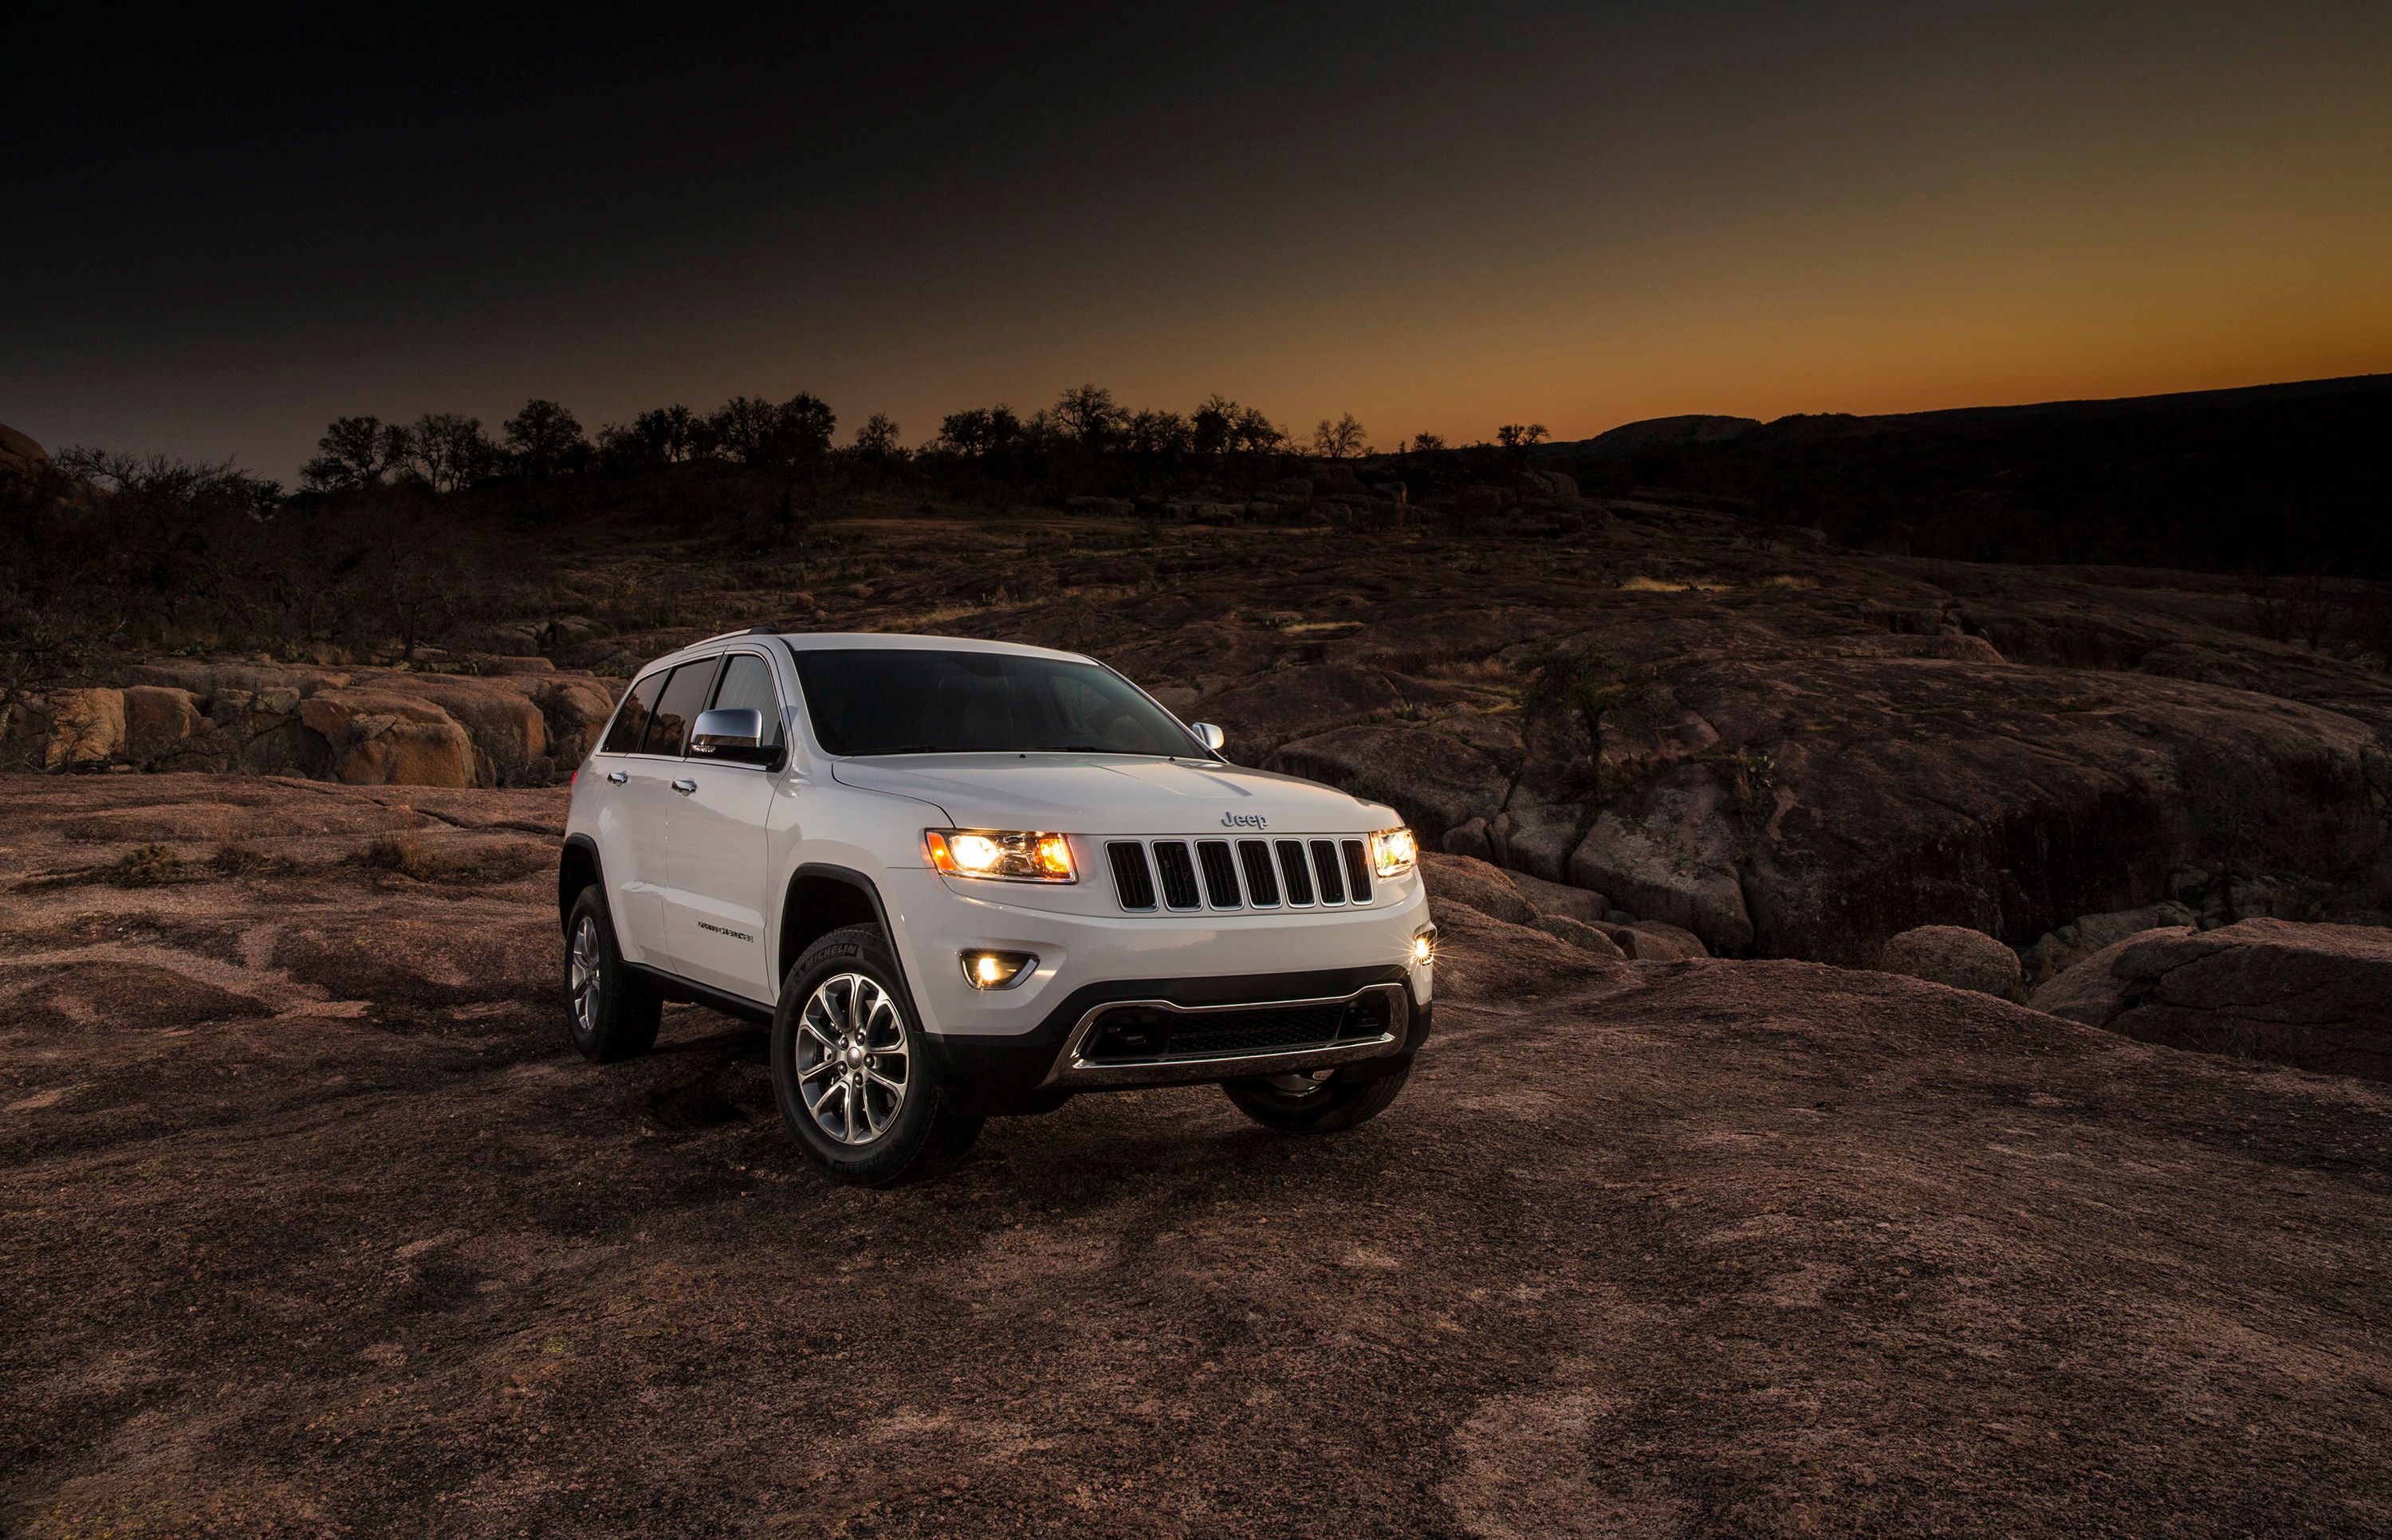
(725, 636)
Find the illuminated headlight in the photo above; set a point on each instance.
(1392, 851)
(996, 970)
(1005, 855)
(1423, 946)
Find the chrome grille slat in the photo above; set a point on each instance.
(1185, 874)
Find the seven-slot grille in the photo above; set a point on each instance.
(1186, 875)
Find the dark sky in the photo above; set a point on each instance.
(223, 230)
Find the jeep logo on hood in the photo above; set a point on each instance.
(1245, 820)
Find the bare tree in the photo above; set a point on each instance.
(357, 451)
(448, 450)
(877, 440)
(1340, 440)
(1090, 414)
(1516, 435)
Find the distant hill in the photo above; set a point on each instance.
(2273, 478)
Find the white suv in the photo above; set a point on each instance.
(965, 878)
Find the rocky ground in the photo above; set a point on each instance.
(1785, 748)
(310, 1223)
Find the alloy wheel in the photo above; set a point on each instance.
(851, 1058)
(582, 976)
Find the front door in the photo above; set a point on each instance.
(721, 850)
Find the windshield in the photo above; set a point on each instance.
(867, 701)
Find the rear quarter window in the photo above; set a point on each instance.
(632, 723)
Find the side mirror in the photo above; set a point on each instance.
(1207, 734)
(736, 733)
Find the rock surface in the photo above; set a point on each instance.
(362, 726)
(2316, 996)
(1955, 956)
(310, 1222)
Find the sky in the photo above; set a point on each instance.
(225, 231)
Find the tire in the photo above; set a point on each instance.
(1321, 1106)
(844, 1023)
(611, 1011)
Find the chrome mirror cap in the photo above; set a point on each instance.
(727, 727)
(1207, 734)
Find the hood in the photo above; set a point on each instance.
(1103, 794)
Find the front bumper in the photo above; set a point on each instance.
(1037, 1070)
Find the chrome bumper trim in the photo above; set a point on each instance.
(1071, 1070)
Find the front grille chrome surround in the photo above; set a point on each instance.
(1185, 876)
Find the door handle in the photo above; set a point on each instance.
(685, 787)
(617, 778)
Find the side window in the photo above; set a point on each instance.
(683, 698)
(632, 723)
(747, 681)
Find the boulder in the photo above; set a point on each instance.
(86, 728)
(1561, 898)
(159, 721)
(19, 455)
(497, 713)
(1460, 879)
(1584, 936)
(2060, 950)
(1653, 941)
(1954, 955)
(383, 738)
(2315, 996)
(1672, 859)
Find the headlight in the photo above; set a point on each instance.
(1005, 855)
(1392, 851)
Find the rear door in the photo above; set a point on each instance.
(720, 847)
(662, 796)
(633, 815)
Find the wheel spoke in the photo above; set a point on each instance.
(849, 1012)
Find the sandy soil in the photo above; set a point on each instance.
(310, 1222)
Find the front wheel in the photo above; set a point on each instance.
(1318, 1103)
(852, 1071)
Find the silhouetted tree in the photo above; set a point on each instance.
(1213, 426)
(877, 440)
(1426, 444)
(448, 450)
(978, 431)
(544, 438)
(1255, 434)
(1157, 435)
(1515, 435)
(1090, 414)
(1338, 440)
(357, 451)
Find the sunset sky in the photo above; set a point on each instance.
(225, 232)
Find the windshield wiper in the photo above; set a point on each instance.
(1094, 748)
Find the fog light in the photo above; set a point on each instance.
(1423, 946)
(998, 970)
